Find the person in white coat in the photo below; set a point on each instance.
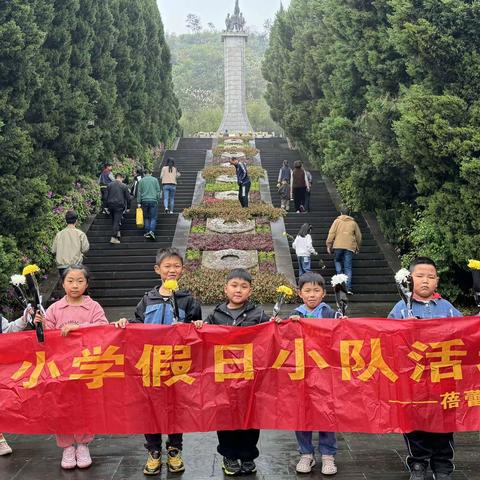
(304, 249)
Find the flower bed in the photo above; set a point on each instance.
(253, 197)
(238, 241)
(211, 173)
(231, 210)
(208, 285)
(249, 152)
(227, 187)
(221, 160)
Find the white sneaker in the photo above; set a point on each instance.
(83, 456)
(306, 463)
(4, 447)
(114, 240)
(68, 458)
(328, 465)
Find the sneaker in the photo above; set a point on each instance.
(83, 456)
(231, 466)
(442, 476)
(174, 460)
(418, 472)
(166, 210)
(249, 467)
(153, 465)
(146, 234)
(328, 465)
(68, 458)
(349, 292)
(151, 235)
(4, 447)
(114, 240)
(306, 463)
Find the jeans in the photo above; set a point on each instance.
(307, 200)
(243, 191)
(343, 264)
(150, 211)
(304, 265)
(327, 443)
(169, 196)
(154, 441)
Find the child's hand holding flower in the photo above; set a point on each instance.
(122, 323)
(198, 323)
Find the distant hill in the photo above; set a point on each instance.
(198, 78)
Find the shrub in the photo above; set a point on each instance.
(263, 228)
(231, 210)
(242, 241)
(212, 172)
(266, 256)
(208, 285)
(198, 229)
(193, 255)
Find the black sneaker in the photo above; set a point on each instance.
(231, 467)
(249, 467)
(151, 235)
(418, 472)
(442, 476)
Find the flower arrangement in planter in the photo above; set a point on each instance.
(211, 173)
(249, 152)
(224, 241)
(231, 211)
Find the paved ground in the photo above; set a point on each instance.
(360, 457)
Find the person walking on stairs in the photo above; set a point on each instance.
(243, 181)
(169, 176)
(345, 239)
(304, 249)
(118, 201)
(299, 186)
(148, 197)
(70, 244)
(285, 173)
(104, 180)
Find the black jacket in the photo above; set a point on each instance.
(118, 195)
(252, 315)
(153, 309)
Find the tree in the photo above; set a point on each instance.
(193, 23)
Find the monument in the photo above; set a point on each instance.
(235, 119)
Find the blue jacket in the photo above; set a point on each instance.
(322, 311)
(155, 309)
(242, 174)
(436, 308)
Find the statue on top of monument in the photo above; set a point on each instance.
(235, 22)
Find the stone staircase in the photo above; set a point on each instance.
(121, 274)
(373, 282)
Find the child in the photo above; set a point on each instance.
(11, 327)
(284, 192)
(156, 308)
(304, 248)
(427, 447)
(73, 311)
(237, 311)
(312, 291)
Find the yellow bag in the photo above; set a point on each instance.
(139, 217)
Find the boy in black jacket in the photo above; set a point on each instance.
(237, 311)
(156, 308)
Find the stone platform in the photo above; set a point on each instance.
(360, 457)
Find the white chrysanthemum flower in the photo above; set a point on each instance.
(18, 280)
(339, 279)
(402, 275)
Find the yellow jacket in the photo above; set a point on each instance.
(344, 233)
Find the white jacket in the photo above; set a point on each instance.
(15, 326)
(303, 246)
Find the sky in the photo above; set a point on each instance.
(255, 12)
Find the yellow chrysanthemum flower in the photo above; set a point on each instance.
(474, 264)
(171, 285)
(29, 269)
(287, 291)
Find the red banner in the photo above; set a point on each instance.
(358, 375)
